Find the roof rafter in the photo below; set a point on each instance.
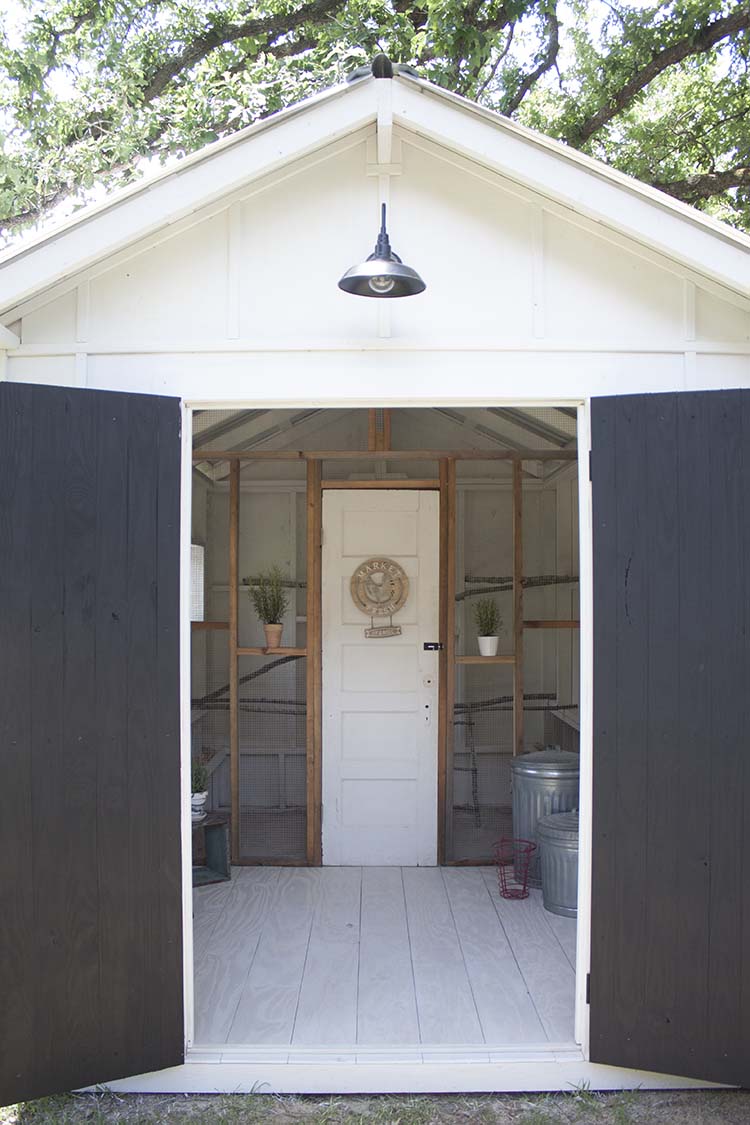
(533, 425)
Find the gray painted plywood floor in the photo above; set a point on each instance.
(374, 956)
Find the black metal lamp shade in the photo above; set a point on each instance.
(383, 274)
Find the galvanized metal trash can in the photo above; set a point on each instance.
(543, 782)
(558, 846)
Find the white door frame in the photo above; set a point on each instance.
(586, 719)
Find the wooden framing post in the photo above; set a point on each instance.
(386, 442)
(447, 683)
(518, 606)
(314, 683)
(234, 729)
(378, 437)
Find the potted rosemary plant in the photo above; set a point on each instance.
(270, 601)
(489, 623)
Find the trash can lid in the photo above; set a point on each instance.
(547, 763)
(559, 828)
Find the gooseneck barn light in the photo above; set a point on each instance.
(383, 274)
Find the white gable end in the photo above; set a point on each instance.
(544, 270)
(501, 269)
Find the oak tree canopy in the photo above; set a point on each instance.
(91, 90)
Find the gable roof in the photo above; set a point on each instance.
(552, 170)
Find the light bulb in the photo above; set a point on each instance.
(381, 284)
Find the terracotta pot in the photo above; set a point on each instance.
(273, 635)
(488, 645)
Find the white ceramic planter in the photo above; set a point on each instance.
(198, 805)
(488, 645)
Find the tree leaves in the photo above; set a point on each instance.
(93, 90)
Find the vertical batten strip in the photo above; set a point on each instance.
(518, 606)
(689, 363)
(234, 732)
(384, 148)
(537, 272)
(81, 369)
(234, 232)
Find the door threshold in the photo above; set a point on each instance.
(385, 1053)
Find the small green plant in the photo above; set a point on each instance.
(199, 777)
(268, 596)
(487, 618)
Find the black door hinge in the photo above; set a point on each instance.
(591, 470)
(588, 988)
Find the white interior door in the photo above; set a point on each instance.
(379, 770)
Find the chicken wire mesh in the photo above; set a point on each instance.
(479, 806)
(273, 755)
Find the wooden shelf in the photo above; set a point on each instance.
(504, 659)
(552, 624)
(272, 652)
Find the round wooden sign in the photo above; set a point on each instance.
(379, 587)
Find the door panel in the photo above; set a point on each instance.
(380, 695)
(90, 902)
(670, 972)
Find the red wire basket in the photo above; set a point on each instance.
(512, 857)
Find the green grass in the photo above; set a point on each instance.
(580, 1106)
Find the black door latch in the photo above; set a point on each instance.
(433, 646)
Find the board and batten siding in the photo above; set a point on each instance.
(670, 965)
(527, 299)
(90, 898)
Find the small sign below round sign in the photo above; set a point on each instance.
(379, 587)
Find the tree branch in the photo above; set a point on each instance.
(547, 61)
(496, 64)
(705, 185)
(267, 29)
(695, 44)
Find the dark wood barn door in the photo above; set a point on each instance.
(670, 971)
(90, 900)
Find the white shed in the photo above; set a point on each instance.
(559, 423)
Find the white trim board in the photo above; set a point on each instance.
(392, 346)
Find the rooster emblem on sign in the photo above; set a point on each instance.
(379, 587)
